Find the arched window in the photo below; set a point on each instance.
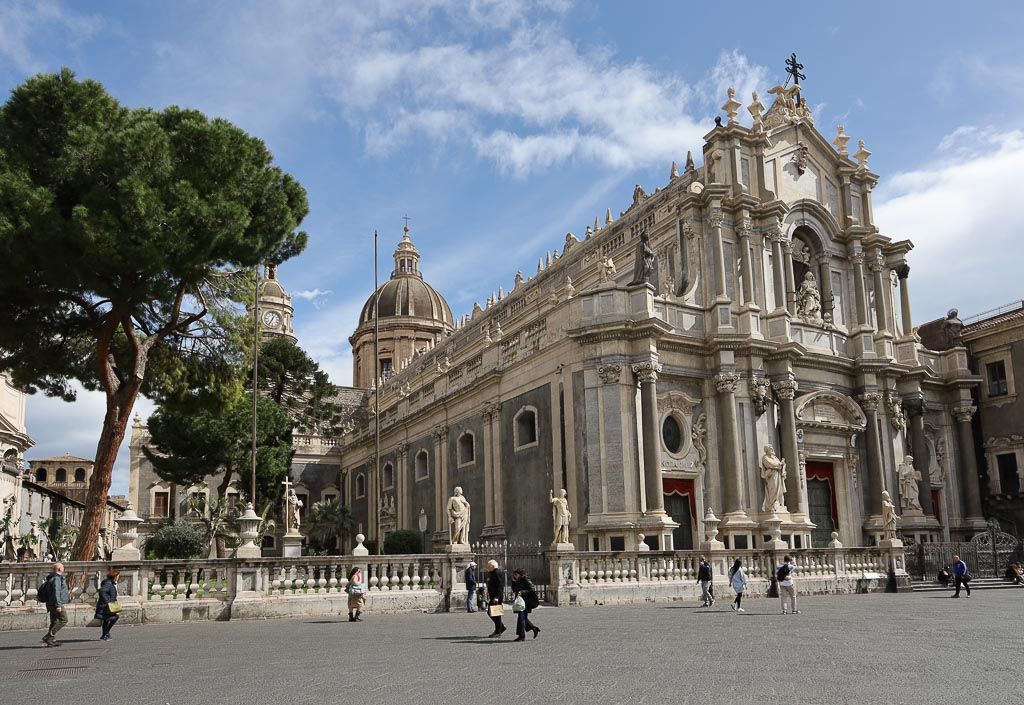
(61, 476)
(387, 476)
(672, 434)
(41, 475)
(467, 449)
(79, 474)
(422, 469)
(360, 486)
(524, 428)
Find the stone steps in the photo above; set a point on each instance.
(976, 584)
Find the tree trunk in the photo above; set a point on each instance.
(115, 422)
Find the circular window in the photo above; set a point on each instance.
(672, 434)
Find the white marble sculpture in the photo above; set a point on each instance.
(773, 472)
(909, 477)
(293, 505)
(889, 517)
(809, 299)
(458, 518)
(560, 516)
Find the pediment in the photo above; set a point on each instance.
(828, 409)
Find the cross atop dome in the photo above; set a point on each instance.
(407, 257)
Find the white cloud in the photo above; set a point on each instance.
(60, 427)
(25, 25)
(954, 210)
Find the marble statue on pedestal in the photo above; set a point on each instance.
(292, 506)
(458, 518)
(560, 516)
(889, 517)
(809, 299)
(645, 263)
(773, 472)
(909, 477)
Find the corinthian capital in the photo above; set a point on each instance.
(610, 374)
(646, 371)
(726, 381)
(857, 258)
(402, 448)
(963, 414)
(870, 401)
(785, 388)
(902, 270)
(914, 406)
(716, 218)
(440, 432)
(490, 410)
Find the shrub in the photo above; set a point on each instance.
(404, 541)
(179, 540)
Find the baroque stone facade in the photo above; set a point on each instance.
(774, 312)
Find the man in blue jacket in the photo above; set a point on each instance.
(961, 577)
(56, 597)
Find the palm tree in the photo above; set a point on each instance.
(330, 522)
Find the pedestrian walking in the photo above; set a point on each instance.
(523, 590)
(495, 594)
(787, 588)
(961, 576)
(108, 609)
(356, 595)
(738, 580)
(470, 577)
(704, 577)
(54, 592)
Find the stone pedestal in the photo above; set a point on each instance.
(917, 525)
(291, 545)
(455, 548)
(561, 547)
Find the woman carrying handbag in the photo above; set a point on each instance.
(108, 609)
(495, 595)
(525, 602)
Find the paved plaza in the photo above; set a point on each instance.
(910, 648)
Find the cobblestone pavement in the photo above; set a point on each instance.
(910, 648)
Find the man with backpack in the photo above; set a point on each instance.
(704, 577)
(54, 592)
(787, 588)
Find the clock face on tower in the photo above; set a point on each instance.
(271, 319)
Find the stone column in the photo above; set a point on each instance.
(787, 256)
(881, 314)
(715, 221)
(778, 278)
(968, 461)
(499, 497)
(828, 300)
(404, 487)
(859, 290)
(487, 451)
(870, 402)
(745, 263)
(647, 375)
(785, 391)
(440, 478)
(915, 412)
(903, 272)
(729, 442)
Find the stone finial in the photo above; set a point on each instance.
(756, 109)
(731, 106)
(861, 156)
(689, 162)
(476, 309)
(597, 224)
(540, 265)
(547, 259)
(835, 542)
(674, 173)
(518, 282)
(608, 217)
(840, 141)
(501, 294)
(360, 549)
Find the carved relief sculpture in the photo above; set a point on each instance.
(773, 472)
(697, 435)
(809, 299)
(458, 518)
(608, 270)
(894, 406)
(760, 394)
(909, 477)
(560, 516)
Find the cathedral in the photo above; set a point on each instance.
(736, 347)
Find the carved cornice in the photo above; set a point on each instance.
(610, 374)
(785, 389)
(646, 371)
(726, 381)
(963, 414)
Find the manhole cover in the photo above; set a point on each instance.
(66, 661)
(46, 672)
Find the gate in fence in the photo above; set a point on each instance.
(987, 554)
(526, 556)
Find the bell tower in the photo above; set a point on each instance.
(275, 307)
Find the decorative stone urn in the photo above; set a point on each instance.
(249, 525)
(128, 533)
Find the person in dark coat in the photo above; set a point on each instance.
(471, 587)
(56, 597)
(108, 594)
(495, 594)
(522, 587)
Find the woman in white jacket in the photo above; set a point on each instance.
(738, 580)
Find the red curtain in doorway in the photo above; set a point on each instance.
(817, 470)
(682, 487)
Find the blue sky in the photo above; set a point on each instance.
(500, 126)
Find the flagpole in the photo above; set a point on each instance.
(255, 378)
(376, 394)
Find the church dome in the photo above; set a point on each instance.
(406, 294)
